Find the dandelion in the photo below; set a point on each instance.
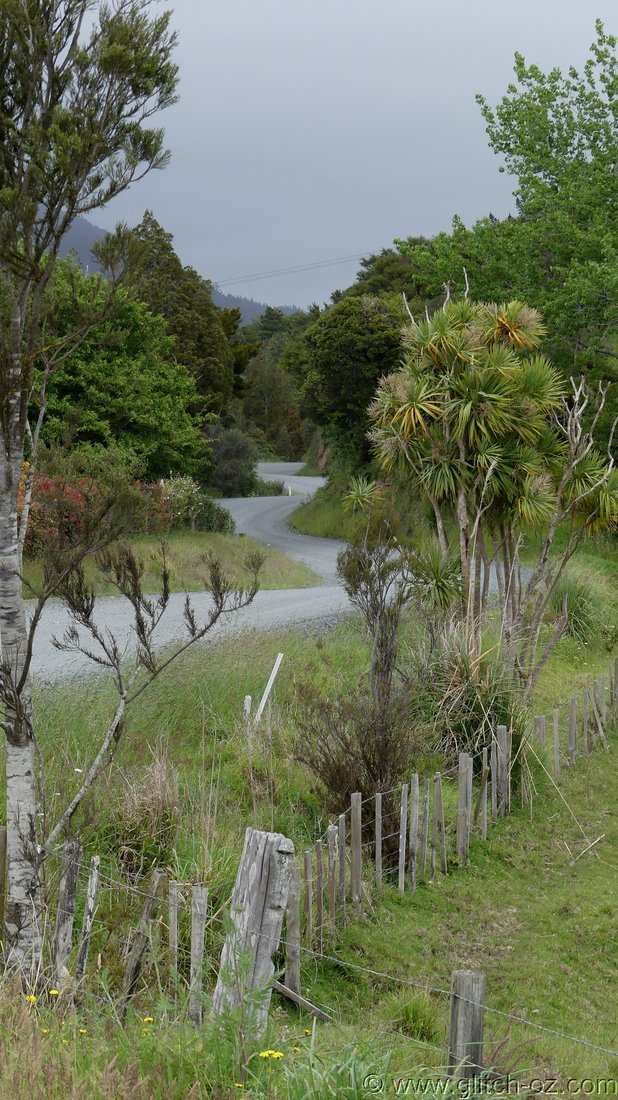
(31, 999)
(44, 1031)
(307, 1031)
(66, 1042)
(148, 1020)
(296, 1050)
(82, 1030)
(54, 992)
(271, 1054)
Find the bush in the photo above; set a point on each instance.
(266, 488)
(234, 458)
(187, 506)
(584, 612)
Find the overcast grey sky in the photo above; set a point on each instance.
(309, 130)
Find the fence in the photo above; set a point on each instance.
(408, 834)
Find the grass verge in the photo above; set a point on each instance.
(185, 552)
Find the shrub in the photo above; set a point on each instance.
(266, 488)
(584, 612)
(234, 457)
(189, 507)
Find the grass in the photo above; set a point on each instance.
(324, 516)
(533, 910)
(185, 553)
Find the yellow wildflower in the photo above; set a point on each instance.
(54, 992)
(307, 1031)
(296, 1050)
(148, 1019)
(271, 1054)
(82, 1030)
(44, 1031)
(66, 1042)
(31, 999)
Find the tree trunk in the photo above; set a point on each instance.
(23, 887)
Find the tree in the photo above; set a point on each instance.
(202, 334)
(75, 131)
(481, 423)
(349, 347)
(122, 387)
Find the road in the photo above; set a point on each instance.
(264, 518)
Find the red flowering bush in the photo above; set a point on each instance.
(60, 511)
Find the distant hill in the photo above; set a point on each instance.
(83, 235)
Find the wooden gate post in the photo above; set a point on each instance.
(199, 901)
(292, 933)
(464, 806)
(259, 901)
(140, 940)
(467, 1020)
(91, 897)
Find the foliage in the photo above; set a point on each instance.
(480, 423)
(233, 462)
(349, 348)
(585, 614)
(204, 337)
(265, 487)
(188, 506)
(122, 387)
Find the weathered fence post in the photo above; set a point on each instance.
(439, 811)
(481, 798)
(292, 933)
(594, 702)
(140, 940)
(331, 838)
(259, 901)
(84, 939)
(356, 841)
(503, 769)
(413, 830)
(587, 740)
(342, 875)
(464, 806)
(319, 894)
(556, 717)
(425, 828)
(307, 868)
(199, 900)
(65, 914)
(603, 693)
(378, 839)
(493, 765)
(172, 929)
(403, 836)
(467, 1021)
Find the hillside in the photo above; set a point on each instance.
(83, 235)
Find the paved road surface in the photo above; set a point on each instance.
(265, 519)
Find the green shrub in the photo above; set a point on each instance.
(266, 488)
(234, 457)
(582, 604)
(188, 507)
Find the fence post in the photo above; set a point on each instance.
(503, 770)
(615, 684)
(356, 840)
(259, 900)
(65, 914)
(481, 798)
(341, 846)
(331, 838)
(464, 806)
(413, 832)
(403, 834)
(378, 840)
(140, 940)
(539, 729)
(439, 804)
(467, 1021)
(556, 717)
(319, 894)
(573, 729)
(425, 828)
(84, 939)
(308, 899)
(199, 900)
(292, 934)
(172, 929)
(587, 740)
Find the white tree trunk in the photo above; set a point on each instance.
(23, 888)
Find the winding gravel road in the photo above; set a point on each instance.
(265, 519)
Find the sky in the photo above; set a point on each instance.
(310, 130)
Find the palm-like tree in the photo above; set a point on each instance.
(480, 422)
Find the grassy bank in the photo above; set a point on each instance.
(534, 910)
(185, 553)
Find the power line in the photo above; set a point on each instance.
(316, 264)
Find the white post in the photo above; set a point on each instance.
(268, 689)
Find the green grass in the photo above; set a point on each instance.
(539, 921)
(185, 553)
(324, 516)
